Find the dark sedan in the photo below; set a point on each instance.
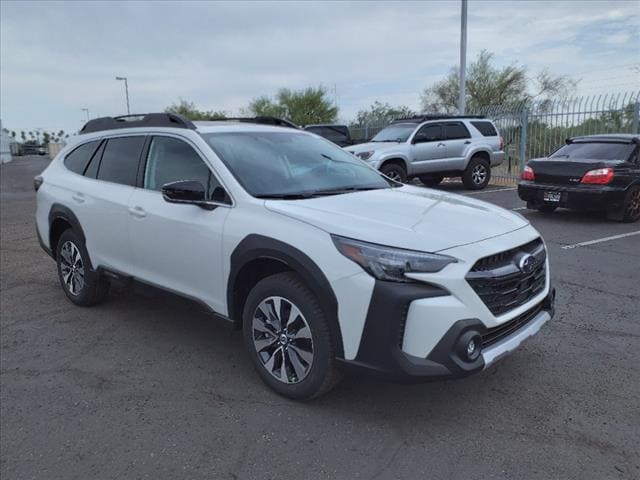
(596, 172)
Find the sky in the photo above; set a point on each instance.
(57, 58)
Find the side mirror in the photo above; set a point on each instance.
(187, 191)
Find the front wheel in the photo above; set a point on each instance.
(477, 174)
(288, 338)
(395, 172)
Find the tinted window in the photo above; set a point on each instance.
(78, 159)
(289, 163)
(429, 133)
(595, 151)
(92, 170)
(453, 131)
(485, 128)
(120, 160)
(335, 134)
(170, 160)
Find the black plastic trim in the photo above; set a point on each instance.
(254, 247)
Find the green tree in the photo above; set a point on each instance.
(380, 114)
(13, 134)
(23, 136)
(189, 110)
(302, 107)
(487, 84)
(46, 138)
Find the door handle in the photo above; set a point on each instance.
(137, 212)
(78, 197)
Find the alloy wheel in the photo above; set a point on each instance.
(282, 339)
(72, 268)
(394, 176)
(633, 209)
(479, 174)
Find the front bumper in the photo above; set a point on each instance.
(579, 197)
(381, 350)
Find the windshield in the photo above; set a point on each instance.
(399, 132)
(595, 151)
(289, 164)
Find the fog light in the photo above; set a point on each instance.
(469, 346)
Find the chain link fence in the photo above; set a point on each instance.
(536, 129)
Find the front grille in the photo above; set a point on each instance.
(502, 284)
(496, 334)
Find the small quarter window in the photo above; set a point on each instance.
(485, 128)
(120, 160)
(79, 158)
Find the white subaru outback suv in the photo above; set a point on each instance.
(326, 264)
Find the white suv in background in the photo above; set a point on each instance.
(432, 147)
(325, 264)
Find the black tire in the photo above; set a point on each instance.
(431, 180)
(631, 207)
(322, 373)
(477, 174)
(547, 208)
(395, 172)
(94, 287)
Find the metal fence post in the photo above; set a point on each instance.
(366, 132)
(636, 116)
(524, 120)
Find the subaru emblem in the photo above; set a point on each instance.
(527, 263)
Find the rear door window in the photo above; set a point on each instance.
(485, 128)
(454, 131)
(120, 160)
(78, 159)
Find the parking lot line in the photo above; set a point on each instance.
(600, 240)
(493, 191)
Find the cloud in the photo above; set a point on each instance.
(220, 55)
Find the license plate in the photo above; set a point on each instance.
(551, 197)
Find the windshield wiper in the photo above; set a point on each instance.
(339, 191)
(285, 196)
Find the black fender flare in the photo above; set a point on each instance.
(255, 246)
(59, 211)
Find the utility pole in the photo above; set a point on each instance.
(463, 58)
(126, 91)
(86, 110)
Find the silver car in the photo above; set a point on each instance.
(434, 147)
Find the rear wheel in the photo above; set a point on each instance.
(477, 174)
(631, 207)
(395, 172)
(80, 283)
(288, 338)
(431, 180)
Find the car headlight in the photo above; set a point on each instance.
(389, 263)
(364, 155)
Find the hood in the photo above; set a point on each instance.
(373, 146)
(565, 170)
(407, 217)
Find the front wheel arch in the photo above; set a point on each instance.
(277, 256)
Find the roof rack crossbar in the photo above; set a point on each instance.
(141, 120)
(425, 118)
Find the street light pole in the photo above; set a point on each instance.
(463, 58)
(126, 91)
(86, 110)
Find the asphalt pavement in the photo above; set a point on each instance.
(148, 385)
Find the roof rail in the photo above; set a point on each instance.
(142, 120)
(262, 120)
(424, 118)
